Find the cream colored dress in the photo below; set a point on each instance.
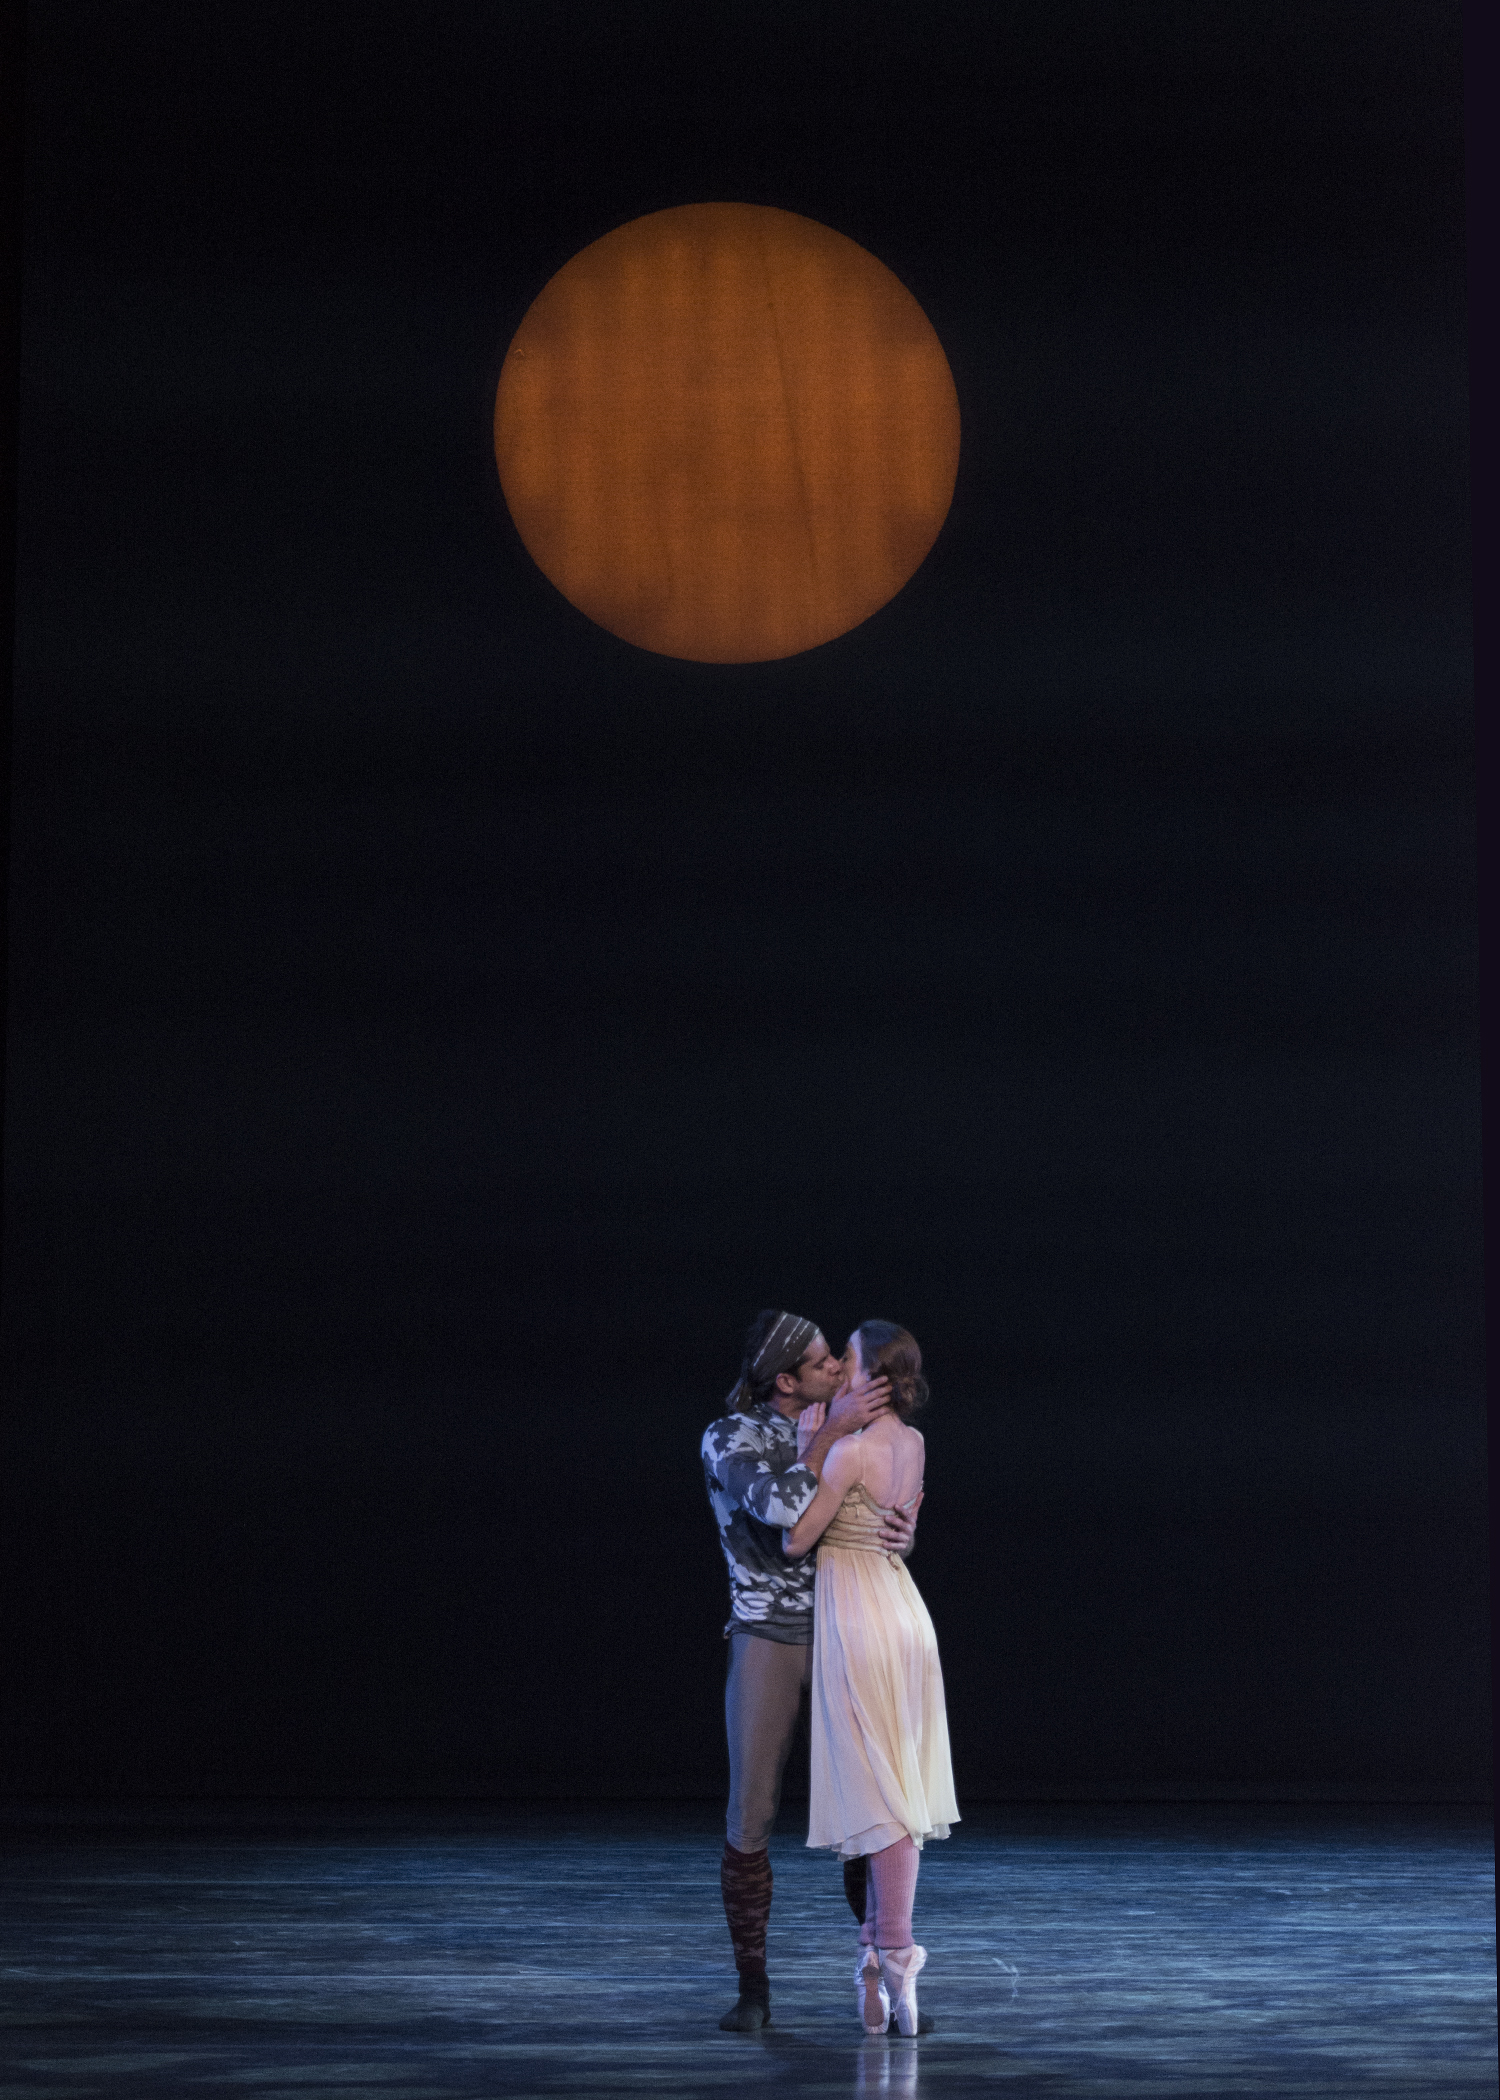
(880, 1764)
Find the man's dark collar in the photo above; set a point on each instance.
(767, 1411)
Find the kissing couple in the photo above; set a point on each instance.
(814, 1473)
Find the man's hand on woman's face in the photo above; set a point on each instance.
(858, 1403)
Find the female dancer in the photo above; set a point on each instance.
(882, 1780)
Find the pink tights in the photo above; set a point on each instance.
(891, 1886)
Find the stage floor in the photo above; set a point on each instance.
(557, 1951)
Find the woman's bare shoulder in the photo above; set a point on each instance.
(842, 1463)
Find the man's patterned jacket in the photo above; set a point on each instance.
(758, 1489)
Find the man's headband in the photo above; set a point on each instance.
(782, 1350)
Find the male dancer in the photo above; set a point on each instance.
(758, 1487)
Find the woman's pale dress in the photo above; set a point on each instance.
(880, 1764)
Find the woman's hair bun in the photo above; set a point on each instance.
(889, 1351)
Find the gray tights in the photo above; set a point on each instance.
(768, 1681)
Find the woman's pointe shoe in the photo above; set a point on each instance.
(870, 1993)
(899, 1966)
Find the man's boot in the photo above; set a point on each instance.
(745, 1878)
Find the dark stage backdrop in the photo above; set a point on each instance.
(436, 1027)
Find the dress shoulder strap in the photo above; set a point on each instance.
(856, 1490)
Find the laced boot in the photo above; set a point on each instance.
(745, 1878)
(752, 2009)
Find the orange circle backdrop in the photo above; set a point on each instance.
(726, 433)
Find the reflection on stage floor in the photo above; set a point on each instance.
(556, 1951)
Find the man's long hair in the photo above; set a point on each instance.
(755, 1387)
